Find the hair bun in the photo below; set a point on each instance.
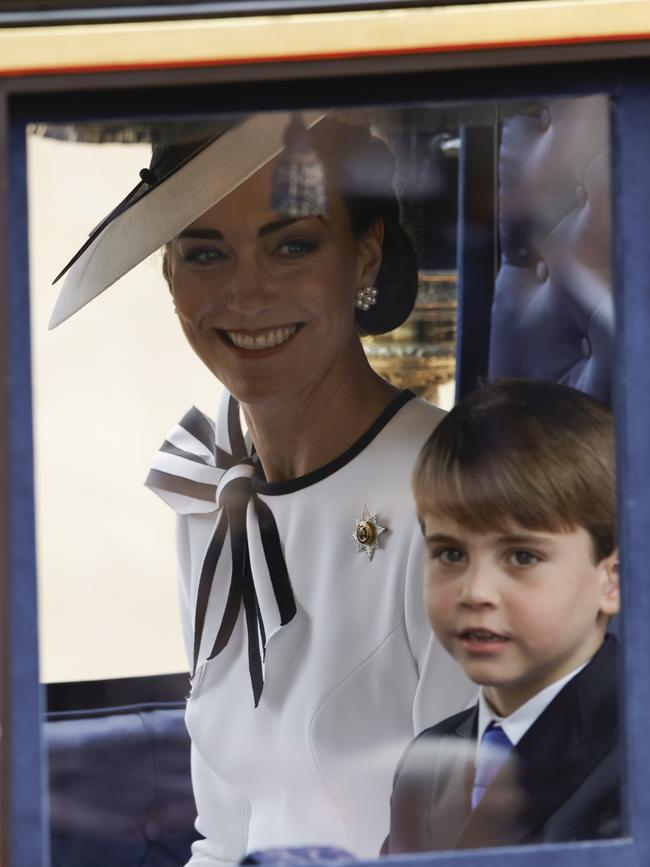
(361, 166)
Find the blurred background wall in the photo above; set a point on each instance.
(107, 386)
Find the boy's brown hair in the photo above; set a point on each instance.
(529, 452)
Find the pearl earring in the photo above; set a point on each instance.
(366, 297)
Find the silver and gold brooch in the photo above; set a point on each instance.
(367, 532)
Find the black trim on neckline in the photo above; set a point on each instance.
(261, 486)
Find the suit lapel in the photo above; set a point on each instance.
(560, 750)
(468, 728)
(449, 797)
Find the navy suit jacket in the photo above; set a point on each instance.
(561, 783)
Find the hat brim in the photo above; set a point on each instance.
(169, 207)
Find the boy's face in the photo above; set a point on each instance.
(518, 610)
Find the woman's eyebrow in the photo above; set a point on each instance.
(212, 234)
(276, 225)
(216, 235)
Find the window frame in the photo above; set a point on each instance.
(442, 71)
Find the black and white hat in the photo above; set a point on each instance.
(180, 185)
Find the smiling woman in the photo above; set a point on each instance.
(299, 553)
(240, 277)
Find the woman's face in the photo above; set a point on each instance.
(268, 303)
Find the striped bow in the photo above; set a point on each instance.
(195, 473)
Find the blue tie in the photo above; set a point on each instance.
(492, 753)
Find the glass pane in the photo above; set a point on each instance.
(106, 542)
(300, 558)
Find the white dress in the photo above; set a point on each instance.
(347, 681)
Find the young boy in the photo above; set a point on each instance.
(515, 492)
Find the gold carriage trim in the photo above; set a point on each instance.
(318, 36)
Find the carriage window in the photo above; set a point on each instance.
(504, 223)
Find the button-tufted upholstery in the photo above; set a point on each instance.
(120, 789)
(553, 312)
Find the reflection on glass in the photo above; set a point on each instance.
(300, 558)
(554, 282)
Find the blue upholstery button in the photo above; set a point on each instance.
(541, 271)
(152, 831)
(585, 347)
(581, 196)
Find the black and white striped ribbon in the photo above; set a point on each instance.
(200, 470)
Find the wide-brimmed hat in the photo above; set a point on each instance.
(197, 165)
(179, 186)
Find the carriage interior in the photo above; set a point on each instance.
(529, 243)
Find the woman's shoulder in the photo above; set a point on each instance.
(428, 412)
(415, 420)
(397, 436)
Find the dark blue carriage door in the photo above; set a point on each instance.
(476, 250)
(631, 226)
(26, 811)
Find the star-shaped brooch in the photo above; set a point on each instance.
(367, 533)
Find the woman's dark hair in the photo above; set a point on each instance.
(361, 168)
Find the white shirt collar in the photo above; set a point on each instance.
(517, 723)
